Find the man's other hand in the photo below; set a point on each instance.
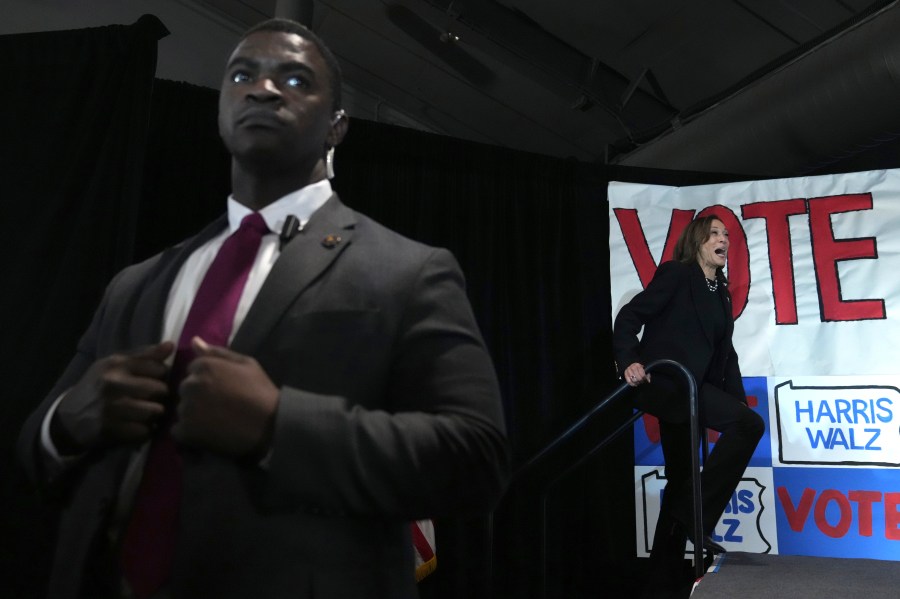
(119, 399)
(227, 403)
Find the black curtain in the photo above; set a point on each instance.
(187, 170)
(74, 118)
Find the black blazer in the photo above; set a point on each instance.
(675, 329)
(389, 412)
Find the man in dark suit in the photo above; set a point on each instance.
(352, 395)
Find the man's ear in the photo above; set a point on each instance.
(340, 122)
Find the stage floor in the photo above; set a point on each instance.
(760, 576)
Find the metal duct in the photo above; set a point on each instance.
(840, 96)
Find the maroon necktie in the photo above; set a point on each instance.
(148, 543)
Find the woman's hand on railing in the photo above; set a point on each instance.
(635, 375)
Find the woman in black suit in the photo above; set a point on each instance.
(685, 314)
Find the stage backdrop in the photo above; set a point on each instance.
(814, 272)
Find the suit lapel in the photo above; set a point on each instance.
(327, 234)
(149, 312)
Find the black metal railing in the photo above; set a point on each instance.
(621, 391)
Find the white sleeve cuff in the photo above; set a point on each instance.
(53, 461)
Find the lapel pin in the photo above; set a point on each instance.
(331, 241)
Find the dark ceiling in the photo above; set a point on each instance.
(589, 79)
(757, 87)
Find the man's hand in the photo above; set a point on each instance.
(119, 399)
(227, 403)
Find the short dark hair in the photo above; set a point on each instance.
(279, 25)
(694, 235)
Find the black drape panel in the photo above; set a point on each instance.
(74, 118)
(187, 175)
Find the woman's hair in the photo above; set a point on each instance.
(694, 235)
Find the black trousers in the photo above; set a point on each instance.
(740, 430)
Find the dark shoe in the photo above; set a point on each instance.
(712, 546)
(708, 543)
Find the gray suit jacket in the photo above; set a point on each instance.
(389, 411)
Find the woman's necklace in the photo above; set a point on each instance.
(712, 285)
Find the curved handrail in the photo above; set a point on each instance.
(574, 428)
(618, 392)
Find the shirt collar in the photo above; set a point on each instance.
(301, 203)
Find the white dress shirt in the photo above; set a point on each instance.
(301, 204)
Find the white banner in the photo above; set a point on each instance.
(814, 273)
(814, 265)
